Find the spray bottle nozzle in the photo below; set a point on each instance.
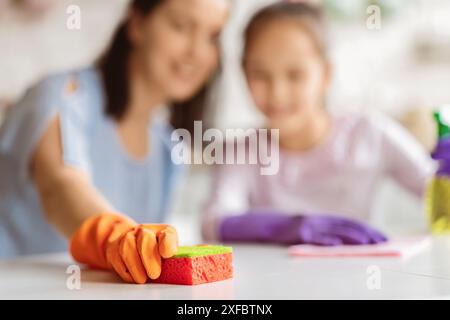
(442, 118)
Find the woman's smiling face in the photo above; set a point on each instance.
(177, 44)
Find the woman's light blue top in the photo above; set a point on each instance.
(141, 189)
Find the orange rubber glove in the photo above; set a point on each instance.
(133, 251)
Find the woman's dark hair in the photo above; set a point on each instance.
(113, 68)
(309, 16)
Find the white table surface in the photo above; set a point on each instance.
(261, 272)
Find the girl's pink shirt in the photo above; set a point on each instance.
(340, 176)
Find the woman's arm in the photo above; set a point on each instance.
(67, 195)
(98, 236)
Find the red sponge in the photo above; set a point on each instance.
(197, 264)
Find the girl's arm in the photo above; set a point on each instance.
(229, 195)
(67, 195)
(229, 217)
(405, 160)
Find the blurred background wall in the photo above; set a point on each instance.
(401, 69)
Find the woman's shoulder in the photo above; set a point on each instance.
(82, 94)
(70, 93)
(56, 89)
(62, 83)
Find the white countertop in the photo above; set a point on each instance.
(261, 272)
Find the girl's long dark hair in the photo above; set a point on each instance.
(113, 68)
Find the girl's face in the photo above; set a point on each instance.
(177, 44)
(286, 74)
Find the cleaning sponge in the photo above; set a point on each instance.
(197, 264)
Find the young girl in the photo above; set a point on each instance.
(83, 153)
(327, 165)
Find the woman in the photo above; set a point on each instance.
(83, 149)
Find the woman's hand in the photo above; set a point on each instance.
(327, 230)
(136, 254)
(133, 251)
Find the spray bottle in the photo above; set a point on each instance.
(439, 188)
